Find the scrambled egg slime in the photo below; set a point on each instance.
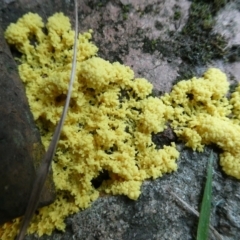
(111, 119)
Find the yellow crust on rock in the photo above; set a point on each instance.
(202, 114)
(111, 119)
(108, 126)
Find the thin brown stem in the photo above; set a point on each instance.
(47, 159)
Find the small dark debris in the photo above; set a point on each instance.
(164, 138)
(97, 182)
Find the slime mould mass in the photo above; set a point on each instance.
(111, 118)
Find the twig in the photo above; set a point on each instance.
(196, 213)
(47, 159)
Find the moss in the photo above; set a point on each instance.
(158, 25)
(219, 4)
(234, 83)
(177, 13)
(149, 45)
(233, 54)
(198, 45)
(232, 87)
(125, 10)
(149, 8)
(93, 5)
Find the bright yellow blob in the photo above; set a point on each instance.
(202, 114)
(111, 119)
(109, 122)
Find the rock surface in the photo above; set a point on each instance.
(21, 149)
(163, 41)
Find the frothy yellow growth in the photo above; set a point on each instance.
(203, 115)
(109, 123)
(235, 101)
(111, 119)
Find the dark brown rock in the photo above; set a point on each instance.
(21, 149)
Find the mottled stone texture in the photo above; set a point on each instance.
(143, 34)
(20, 145)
